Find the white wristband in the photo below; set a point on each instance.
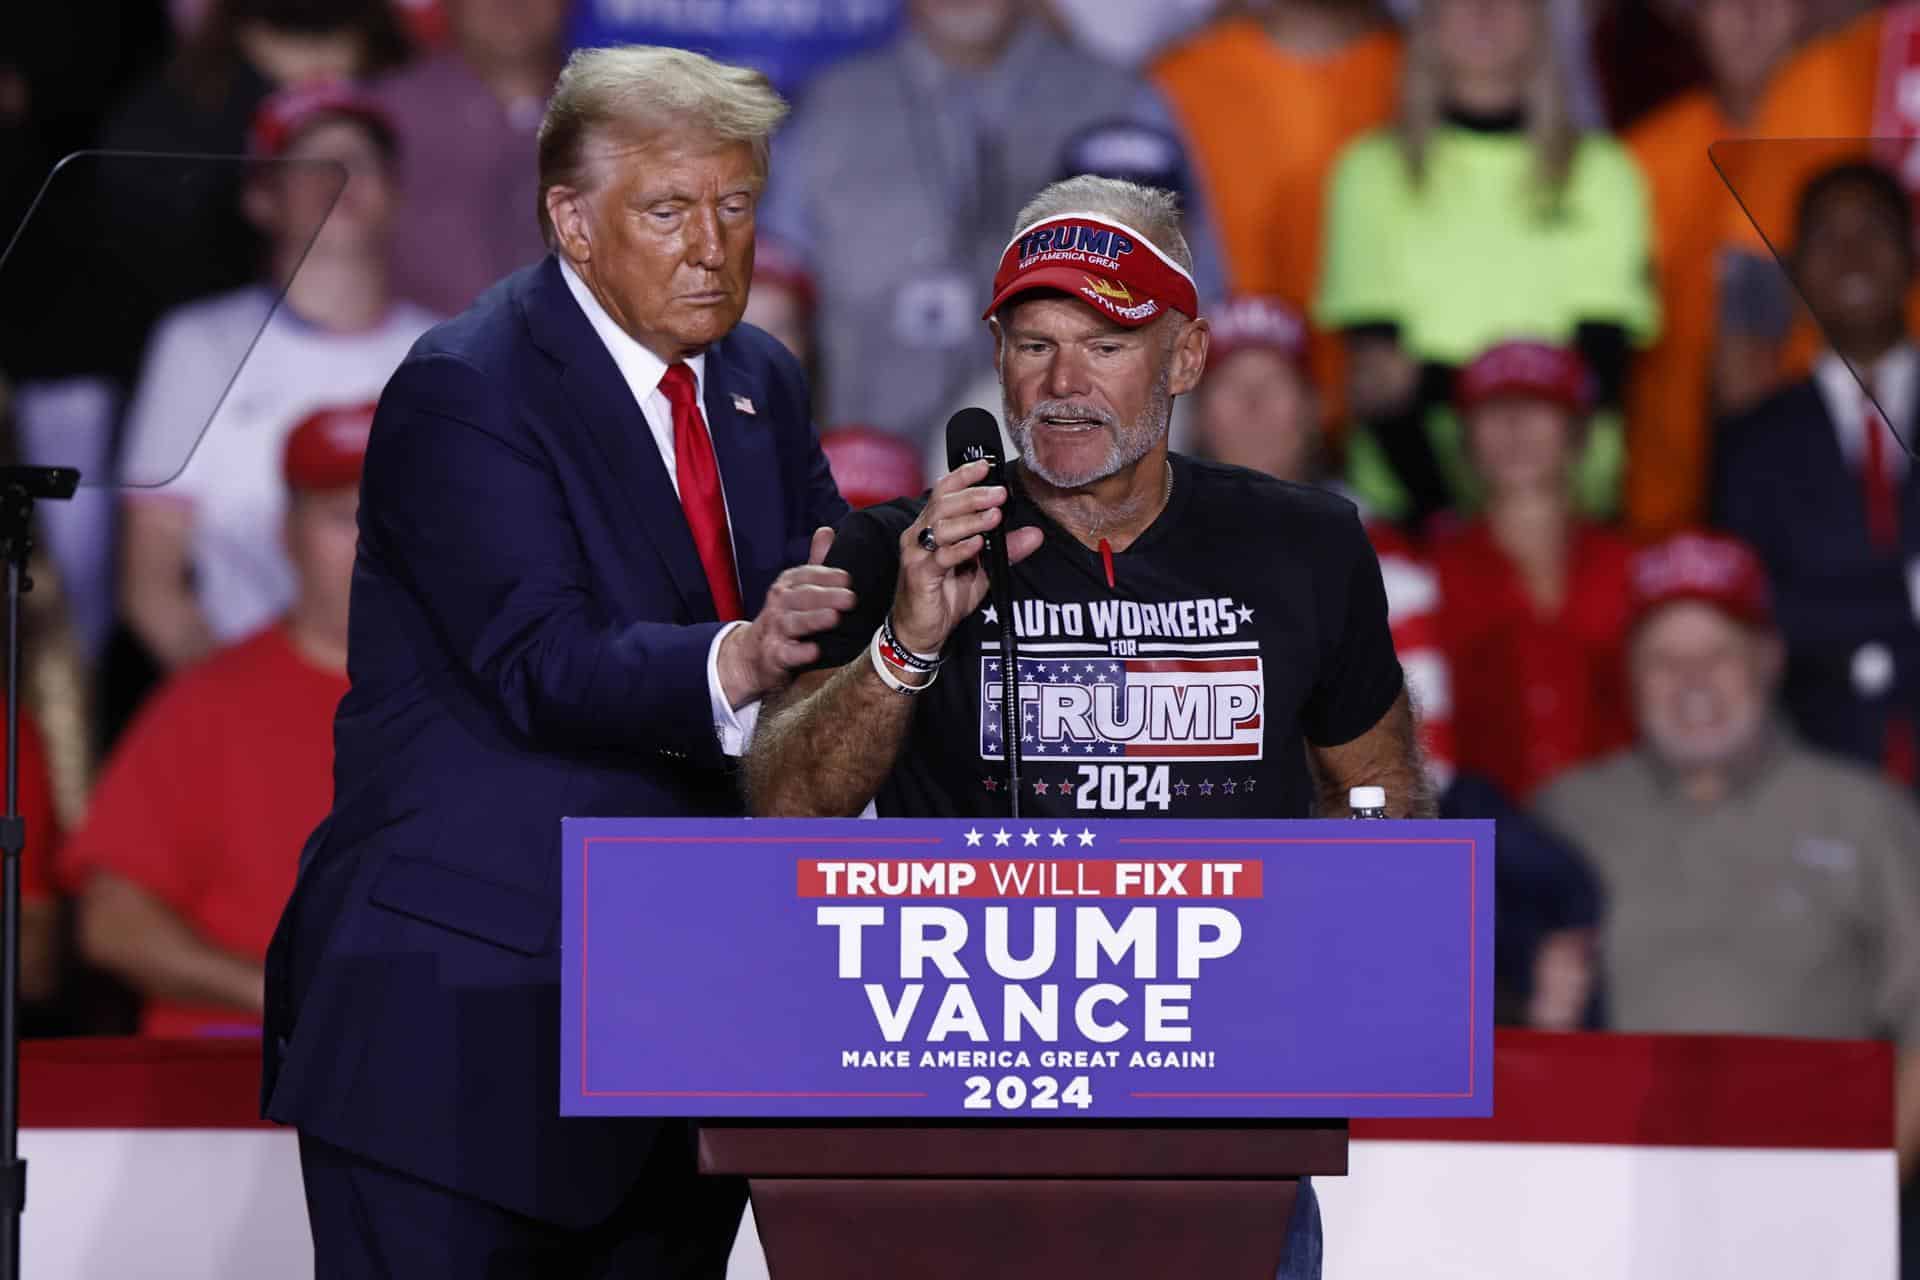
(891, 680)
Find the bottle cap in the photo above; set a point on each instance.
(1367, 798)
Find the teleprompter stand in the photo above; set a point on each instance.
(965, 1200)
(20, 488)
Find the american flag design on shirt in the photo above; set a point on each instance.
(1176, 699)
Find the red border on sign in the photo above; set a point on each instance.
(586, 864)
(1473, 959)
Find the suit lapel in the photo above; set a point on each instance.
(749, 471)
(643, 493)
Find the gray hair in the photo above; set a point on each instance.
(1152, 212)
(641, 89)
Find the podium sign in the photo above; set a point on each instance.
(941, 969)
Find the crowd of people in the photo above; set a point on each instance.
(1625, 400)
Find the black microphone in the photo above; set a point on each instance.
(973, 434)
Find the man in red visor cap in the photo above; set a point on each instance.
(1196, 634)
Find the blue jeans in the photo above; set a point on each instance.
(1301, 1259)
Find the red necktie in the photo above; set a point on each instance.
(1883, 501)
(1898, 749)
(700, 497)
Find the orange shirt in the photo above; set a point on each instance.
(1669, 416)
(1265, 126)
(1818, 112)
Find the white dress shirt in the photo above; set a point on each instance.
(1895, 378)
(643, 371)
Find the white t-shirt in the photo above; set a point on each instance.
(233, 478)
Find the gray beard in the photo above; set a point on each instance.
(1129, 444)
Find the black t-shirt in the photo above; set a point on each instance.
(1246, 621)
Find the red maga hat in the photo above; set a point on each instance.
(1101, 262)
(871, 466)
(776, 263)
(326, 450)
(1712, 568)
(285, 115)
(1249, 322)
(1537, 370)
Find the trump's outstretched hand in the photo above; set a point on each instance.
(807, 599)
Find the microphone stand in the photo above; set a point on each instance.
(20, 487)
(1002, 590)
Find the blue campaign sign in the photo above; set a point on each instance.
(1142, 969)
(789, 40)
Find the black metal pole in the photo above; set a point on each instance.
(13, 835)
(19, 487)
(1011, 722)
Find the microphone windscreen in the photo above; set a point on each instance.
(972, 434)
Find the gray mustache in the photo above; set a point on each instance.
(1069, 409)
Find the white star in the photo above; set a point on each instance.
(990, 614)
(1246, 614)
(973, 839)
(1113, 748)
(1058, 837)
(1113, 666)
(1001, 837)
(1086, 837)
(1029, 838)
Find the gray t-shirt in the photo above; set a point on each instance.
(898, 181)
(1791, 908)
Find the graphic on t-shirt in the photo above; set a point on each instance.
(1174, 681)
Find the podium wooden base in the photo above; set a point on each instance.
(1022, 1202)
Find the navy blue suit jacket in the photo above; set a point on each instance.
(1783, 484)
(529, 638)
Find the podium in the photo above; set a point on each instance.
(943, 1049)
(1119, 1202)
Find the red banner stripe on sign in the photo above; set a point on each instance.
(1676, 1091)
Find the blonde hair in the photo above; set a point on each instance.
(643, 89)
(1551, 131)
(1152, 212)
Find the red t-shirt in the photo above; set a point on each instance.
(1534, 693)
(36, 806)
(208, 799)
(1413, 615)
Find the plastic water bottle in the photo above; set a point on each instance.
(1368, 802)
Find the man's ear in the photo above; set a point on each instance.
(1189, 357)
(999, 340)
(572, 223)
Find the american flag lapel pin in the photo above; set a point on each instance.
(742, 405)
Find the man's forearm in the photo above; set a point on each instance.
(824, 746)
(1386, 756)
(39, 955)
(129, 932)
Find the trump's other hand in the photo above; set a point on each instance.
(807, 599)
